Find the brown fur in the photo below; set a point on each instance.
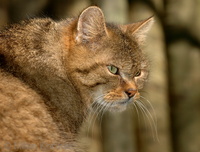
(52, 72)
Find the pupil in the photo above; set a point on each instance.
(138, 73)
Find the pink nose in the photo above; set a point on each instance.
(130, 92)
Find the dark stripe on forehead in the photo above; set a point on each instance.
(88, 69)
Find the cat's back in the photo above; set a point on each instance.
(24, 120)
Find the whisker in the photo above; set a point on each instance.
(143, 113)
(138, 116)
(93, 117)
(144, 105)
(153, 119)
(103, 111)
(150, 118)
(93, 109)
(154, 113)
(96, 100)
(107, 106)
(147, 116)
(90, 119)
(96, 114)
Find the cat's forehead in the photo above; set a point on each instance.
(125, 51)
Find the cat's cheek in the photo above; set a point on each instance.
(138, 83)
(112, 97)
(140, 80)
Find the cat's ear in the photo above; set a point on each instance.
(139, 30)
(91, 24)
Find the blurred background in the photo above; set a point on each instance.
(173, 47)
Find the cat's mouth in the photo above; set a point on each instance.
(121, 105)
(114, 105)
(129, 100)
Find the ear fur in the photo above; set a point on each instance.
(139, 29)
(91, 23)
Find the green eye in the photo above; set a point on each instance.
(112, 69)
(138, 73)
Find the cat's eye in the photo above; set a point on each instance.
(138, 73)
(112, 69)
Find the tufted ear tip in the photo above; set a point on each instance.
(139, 29)
(91, 24)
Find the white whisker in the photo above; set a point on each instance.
(92, 120)
(138, 116)
(143, 113)
(107, 106)
(150, 118)
(100, 113)
(93, 110)
(101, 106)
(147, 116)
(154, 113)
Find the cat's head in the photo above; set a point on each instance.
(106, 63)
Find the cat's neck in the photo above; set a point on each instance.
(63, 101)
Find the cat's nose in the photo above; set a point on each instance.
(130, 92)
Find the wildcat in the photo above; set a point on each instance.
(53, 73)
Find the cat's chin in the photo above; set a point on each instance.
(112, 106)
(119, 106)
